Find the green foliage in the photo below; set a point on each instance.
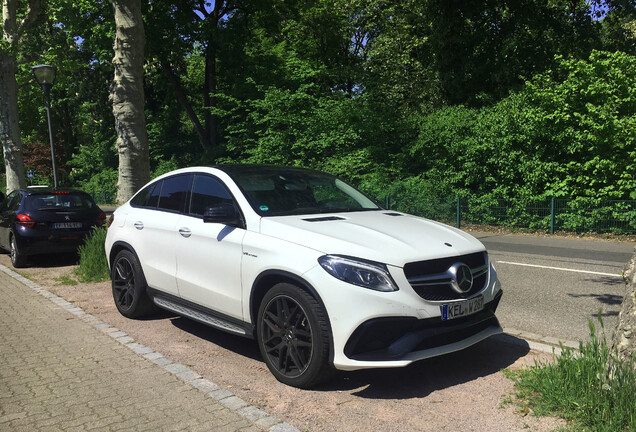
(512, 99)
(568, 133)
(164, 166)
(93, 266)
(583, 116)
(296, 128)
(588, 387)
(419, 196)
(102, 186)
(81, 117)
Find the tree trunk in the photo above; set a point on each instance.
(624, 342)
(127, 96)
(9, 128)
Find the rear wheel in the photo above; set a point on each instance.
(18, 259)
(129, 286)
(293, 336)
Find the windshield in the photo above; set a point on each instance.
(59, 201)
(278, 192)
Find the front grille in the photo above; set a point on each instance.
(432, 281)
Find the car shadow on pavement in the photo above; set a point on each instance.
(416, 380)
(237, 344)
(426, 376)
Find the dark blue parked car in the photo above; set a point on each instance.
(40, 220)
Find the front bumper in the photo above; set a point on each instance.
(397, 338)
(373, 329)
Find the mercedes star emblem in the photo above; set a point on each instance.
(462, 280)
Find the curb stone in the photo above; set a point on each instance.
(546, 344)
(225, 397)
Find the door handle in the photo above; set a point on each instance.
(185, 232)
(139, 225)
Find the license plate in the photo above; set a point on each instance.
(67, 225)
(463, 308)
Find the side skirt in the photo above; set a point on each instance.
(201, 314)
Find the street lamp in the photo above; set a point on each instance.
(45, 76)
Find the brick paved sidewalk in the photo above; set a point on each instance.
(61, 369)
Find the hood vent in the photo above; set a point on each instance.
(394, 214)
(324, 219)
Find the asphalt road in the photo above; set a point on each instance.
(554, 286)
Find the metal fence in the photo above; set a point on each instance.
(549, 215)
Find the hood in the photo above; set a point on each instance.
(382, 236)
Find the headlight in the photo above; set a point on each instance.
(374, 276)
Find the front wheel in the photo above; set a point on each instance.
(293, 336)
(129, 286)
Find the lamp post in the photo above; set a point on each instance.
(45, 76)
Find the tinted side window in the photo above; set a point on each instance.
(208, 191)
(153, 198)
(143, 198)
(174, 192)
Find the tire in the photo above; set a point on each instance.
(129, 286)
(18, 259)
(293, 336)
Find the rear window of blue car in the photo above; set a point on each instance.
(59, 201)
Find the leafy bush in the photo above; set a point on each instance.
(93, 266)
(102, 186)
(568, 133)
(589, 388)
(416, 195)
(164, 166)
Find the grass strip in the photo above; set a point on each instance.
(589, 387)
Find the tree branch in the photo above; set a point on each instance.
(202, 9)
(34, 15)
(183, 100)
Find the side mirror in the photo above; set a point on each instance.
(225, 214)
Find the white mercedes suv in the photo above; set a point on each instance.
(318, 273)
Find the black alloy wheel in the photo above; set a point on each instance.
(129, 286)
(293, 337)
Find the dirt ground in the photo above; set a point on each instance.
(461, 391)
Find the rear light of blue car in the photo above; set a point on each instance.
(24, 220)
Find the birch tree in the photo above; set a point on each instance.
(12, 30)
(127, 97)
